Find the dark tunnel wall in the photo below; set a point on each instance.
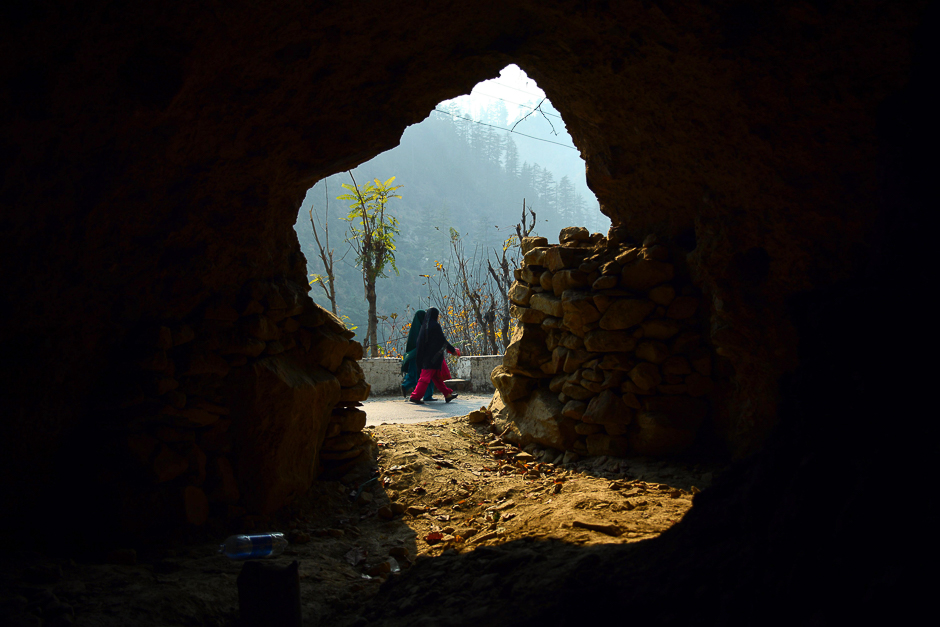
(154, 158)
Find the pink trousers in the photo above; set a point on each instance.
(427, 376)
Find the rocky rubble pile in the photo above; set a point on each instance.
(235, 410)
(608, 357)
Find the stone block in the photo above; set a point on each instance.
(528, 243)
(344, 442)
(579, 309)
(526, 315)
(349, 373)
(531, 274)
(662, 294)
(512, 387)
(612, 428)
(551, 322)
(241, 344)
(567, 280)
(535, 256)
(643, 274)
(574, 409)
(576, 391)
(626, 313)
(656, 252)
(660, 329)
(605, 282)
(519, 294)
(652, 351)
(575, 358)
(545, 280)
(183, 334)
(607, 407)
(584, 428)
(601, 341)
(350, 419)
(543, 423)
(354, 350)
(328, 347)
(168, 464)
(611, 268)
(574, 234)
(557, 382)
(260, 327)
(560, 257)
(618, 361)
(281, 407)
(645, 375)
(548, 304)
(627, 256)
(527, 351)
(355, 393)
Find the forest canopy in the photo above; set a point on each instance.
(454, 173)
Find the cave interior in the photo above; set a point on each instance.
(154, 158)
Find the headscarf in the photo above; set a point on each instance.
(416, 323)
(411, 344)
(429, 320)
(431, 342)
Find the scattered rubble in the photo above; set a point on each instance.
(437, 488)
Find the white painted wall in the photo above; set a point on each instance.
(477, 369)
(384, 374)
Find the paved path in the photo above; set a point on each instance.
(397, 410)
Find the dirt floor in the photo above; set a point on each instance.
(446, 487)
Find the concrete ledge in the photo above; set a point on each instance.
(383, 374)
(477, 369)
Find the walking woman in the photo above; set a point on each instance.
(430, 356)
(409, 365)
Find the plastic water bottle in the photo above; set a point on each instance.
(253, 547)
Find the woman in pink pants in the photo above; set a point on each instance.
(431, 347)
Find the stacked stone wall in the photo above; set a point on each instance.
(234, 410)
(608, 357)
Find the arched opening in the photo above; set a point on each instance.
(469, 166)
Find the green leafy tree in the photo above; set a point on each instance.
(371, 234)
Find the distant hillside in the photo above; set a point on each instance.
(454, 173)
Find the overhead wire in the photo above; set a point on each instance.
(504, 129)
(518, 104)
(534, 95)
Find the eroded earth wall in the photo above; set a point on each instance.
(154, 156)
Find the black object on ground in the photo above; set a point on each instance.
(269, 595)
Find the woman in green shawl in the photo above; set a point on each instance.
(409, 365)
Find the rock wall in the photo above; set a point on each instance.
(610, 355)
(229, 412)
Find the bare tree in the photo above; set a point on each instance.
(326, 254)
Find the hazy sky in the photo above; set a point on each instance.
(512, 86)
(520, 94)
